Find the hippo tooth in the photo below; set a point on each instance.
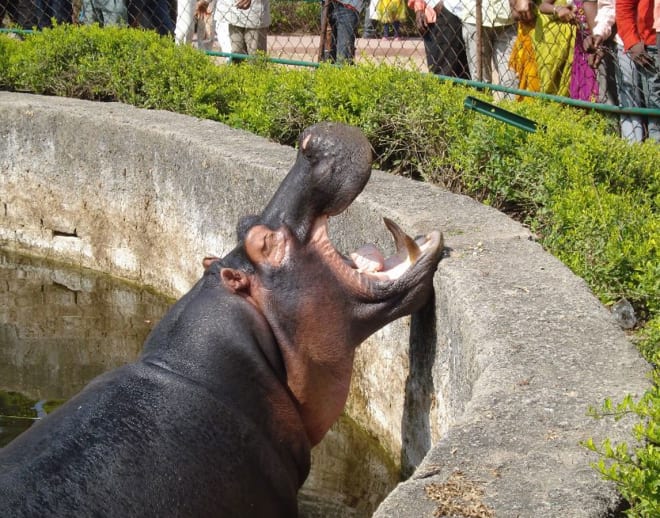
(403, 241)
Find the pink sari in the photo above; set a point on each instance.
(584, 84)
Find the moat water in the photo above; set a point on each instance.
(59, 328)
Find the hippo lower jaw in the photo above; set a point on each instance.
(344, 304)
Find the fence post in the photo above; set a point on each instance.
(324, 29)
(478, 42)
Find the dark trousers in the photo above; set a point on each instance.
(445, 48)
(343, 24)
(152, 14)
(47, 10)
(21, 12)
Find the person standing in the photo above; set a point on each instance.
(584, 80)
(151, 14)
(442, 32)
(601, 46)
(523, 58)
(554, 45)
(104, 12)
(248, 22)
(21, 12)
(343, 19)
(48, 10)
(188, 11)
(638, 67)
(185, 21)
(370, 20)
(391, 13)
(498, 33)
(656, 26)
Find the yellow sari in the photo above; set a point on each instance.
(554, 42)
(389, 11)
(523, 59)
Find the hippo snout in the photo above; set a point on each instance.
(340, 160)
(332, 167)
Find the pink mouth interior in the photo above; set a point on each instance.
(368, 263)
(370, 260)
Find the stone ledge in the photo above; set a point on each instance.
(492, 381)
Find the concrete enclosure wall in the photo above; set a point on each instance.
(491, 380)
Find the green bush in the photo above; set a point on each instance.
(112, 64)
(295, 17)
(8, 47)
(634, 469)
(590, 197)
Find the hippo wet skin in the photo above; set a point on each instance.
(243, 375)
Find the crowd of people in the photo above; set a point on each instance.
(239, 26)
(591, 50)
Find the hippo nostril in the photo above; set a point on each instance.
(403, 241)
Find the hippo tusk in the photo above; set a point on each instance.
(403, 241)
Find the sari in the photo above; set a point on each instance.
(554, 44)
(584, 83)
(523, 59)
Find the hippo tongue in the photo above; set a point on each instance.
(368, 258)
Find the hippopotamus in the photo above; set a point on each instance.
(242, 376)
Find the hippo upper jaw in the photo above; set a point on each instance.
(332, 167)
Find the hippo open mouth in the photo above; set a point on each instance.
(332, 168)
(369, 259)
(367, 268)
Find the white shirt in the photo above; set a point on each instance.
(604, 20)
(495, 13)
(254, 17)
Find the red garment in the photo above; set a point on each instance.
(634, 22)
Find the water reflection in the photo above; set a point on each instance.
(59, 328)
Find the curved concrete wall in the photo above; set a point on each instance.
(491, 380)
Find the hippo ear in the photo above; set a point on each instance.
(208, 261)
(234, 280)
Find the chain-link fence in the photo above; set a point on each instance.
(550, 47)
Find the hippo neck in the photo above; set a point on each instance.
(239, 349)
(220, 342)
(319, 385)
(319, 410)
